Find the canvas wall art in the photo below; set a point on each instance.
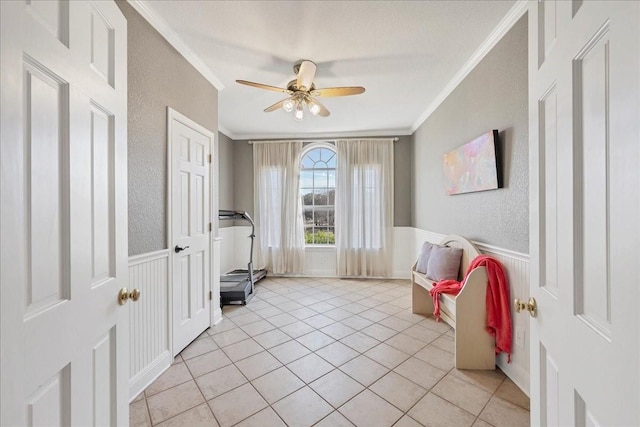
(474, 166)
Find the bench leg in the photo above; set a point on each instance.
(421, 301)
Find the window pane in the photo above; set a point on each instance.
(331, 161)
(307, 197)
(314, 154)
(331, 176)
(332, 217)
(306, 179)
(320, 197)
(321, 217)
(308, 216)
(320, 178)
(307, 162)
(331, 197)
(308, 235)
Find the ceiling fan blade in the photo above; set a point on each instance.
(306, 74)
(262, 86)
(276, 106)
(323, 110)
(338, 91)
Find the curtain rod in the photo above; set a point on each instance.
(395, 139)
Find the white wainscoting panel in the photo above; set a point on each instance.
(148, 319)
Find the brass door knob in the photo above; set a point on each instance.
(531, 306)
(125, 295)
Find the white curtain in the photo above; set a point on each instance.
(278, 207)
(364, 207)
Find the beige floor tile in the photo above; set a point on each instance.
(338, 330)
(140, 396)
(245, 319)
(257, 365)
(257, 328)
(433, 324)
(282, 319)
(511, 393)
(310, 367)
(272, 338)
(461, 393)
(268, 312)
(319, 321)
(177, 359)
(386, 355)
(445, 343)
(421, 333)
(338, 301)
(421, 373)
(368, 409)
(315, 340)
(364, 370)
(289, 306)
(208, 362)
(398, 391)
(232, 336)
(405, 343)
(334, 419)
(265, 418)
(407, 421)
(176, 374)
(198, 347)
(488, 380)
(338, 314)
(303, 313)
(360, 342)
(336, 387)
(395, 323)
(354, 308)
(277, 384)
(236, 405)
(242, 350)
(480, 423)
(356, 322)
(231, 311)
(433, 411)
(277, 300)
(297, 329)
(501, 413)
(139, 414)
(200, 416)
(221, 381)
(337, 353)
(409, 316)
(222, 326)
(379, 332)
(373, 315)
(308, 301)
(257, 305)
(302, 408)
(172, 402)
(289, 351)
(322, 307)
(388, 308)
(436, 357)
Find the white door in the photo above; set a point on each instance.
(63, 213)
(584, 100)
(189, 147)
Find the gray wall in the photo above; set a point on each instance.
(225, 175)
(492, 96)
(158, 77)
(243, 178)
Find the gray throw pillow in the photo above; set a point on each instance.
(444, 263)
(423, 259)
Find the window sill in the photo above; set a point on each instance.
(320, 248)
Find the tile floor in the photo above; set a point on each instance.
(327, 352)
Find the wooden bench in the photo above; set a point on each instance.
(466, 312)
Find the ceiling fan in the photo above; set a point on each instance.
(303, 91)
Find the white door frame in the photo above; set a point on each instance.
(216, 314)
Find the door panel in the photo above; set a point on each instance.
(190, 146)
(63, 218)
(584, 97)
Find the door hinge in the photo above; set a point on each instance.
(210, 227)
(209, 158)
(210, 295)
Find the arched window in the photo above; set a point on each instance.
(317, 189)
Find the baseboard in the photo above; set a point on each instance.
(516, 373)
(149, 374)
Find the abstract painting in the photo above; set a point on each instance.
(474, 166)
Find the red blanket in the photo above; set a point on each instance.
(498, 300)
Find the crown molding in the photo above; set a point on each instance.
(319, 135)
(161, 26)
(514, 14)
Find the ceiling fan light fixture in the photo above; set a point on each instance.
(299, 114)
(313, 108)
(288, 105)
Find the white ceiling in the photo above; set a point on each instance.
(404, 53)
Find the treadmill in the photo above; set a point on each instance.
(238, 286)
